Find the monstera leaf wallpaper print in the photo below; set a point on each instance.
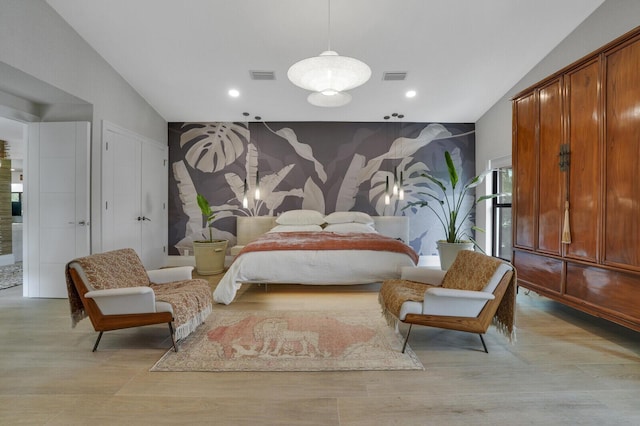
(323, 166)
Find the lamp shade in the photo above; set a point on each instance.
(329, 73)
(332, 100)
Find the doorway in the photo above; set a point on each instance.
(12, 139)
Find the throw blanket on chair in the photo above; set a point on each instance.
(123, 268)
(197, 299)
(113, 269)
(469, 272)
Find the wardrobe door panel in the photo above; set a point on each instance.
(622, 153)
(551, 179)
(584, 170)
(538, 272)
(525, 167)
(615, 293)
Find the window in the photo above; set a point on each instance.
(501, 209)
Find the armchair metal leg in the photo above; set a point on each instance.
(483, 345)
(173, 339)
(95, 347)
(404, 346)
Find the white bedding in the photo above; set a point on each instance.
(310, 267)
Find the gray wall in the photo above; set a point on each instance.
(36, 41)
(493, 130)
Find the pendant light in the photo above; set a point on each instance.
(395, 181)
(329, 75)
(257, 193)
(245, 200)
(387, 198)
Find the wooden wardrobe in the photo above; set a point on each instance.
(576, 147)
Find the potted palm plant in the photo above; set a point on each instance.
(448, 205)
(209, 253)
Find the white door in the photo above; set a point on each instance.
(134, 191)
(154, 204)
(56, 229)
(120, 191)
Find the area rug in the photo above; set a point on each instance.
(291, 341)
(10, 275)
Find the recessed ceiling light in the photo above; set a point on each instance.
(234, 93)
(411, 94)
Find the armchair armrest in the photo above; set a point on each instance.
(167, 275)
(422, 274)
(454, 302)
(126, 300)
(462, 294)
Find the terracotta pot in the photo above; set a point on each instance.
(449, 251)
(210, 256)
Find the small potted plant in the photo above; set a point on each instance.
(209, 254)
(447, 204)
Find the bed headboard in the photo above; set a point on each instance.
(251, 227)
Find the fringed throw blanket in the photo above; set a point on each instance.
(328, 241)
(470, 271)
(113, 269)
(191, 300)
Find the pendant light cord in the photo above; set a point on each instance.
(329, 24)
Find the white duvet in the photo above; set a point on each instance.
(310, 267)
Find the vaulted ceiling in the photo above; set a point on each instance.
(460, 56)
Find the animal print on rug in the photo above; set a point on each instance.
(291, 341)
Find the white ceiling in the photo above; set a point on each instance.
(461, 56)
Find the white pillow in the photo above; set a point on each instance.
(296, 228)
(300, 217)
(349, 217)
(350, 227)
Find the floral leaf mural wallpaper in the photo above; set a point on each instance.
(323, 166)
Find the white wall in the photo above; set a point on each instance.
(37, 41)
(493, 130)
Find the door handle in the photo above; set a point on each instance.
(143, 218)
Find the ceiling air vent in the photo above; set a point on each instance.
(394, 75)
(262, 75)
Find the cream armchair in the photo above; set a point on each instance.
(115, 292)
(138, 299)
(466, 297)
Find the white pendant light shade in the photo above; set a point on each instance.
(329, 73)
(332, 100)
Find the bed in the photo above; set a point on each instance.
(257, 261)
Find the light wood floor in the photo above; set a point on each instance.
(567, 368)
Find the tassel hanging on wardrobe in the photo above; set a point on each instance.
(566, 228)
(564, 155)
